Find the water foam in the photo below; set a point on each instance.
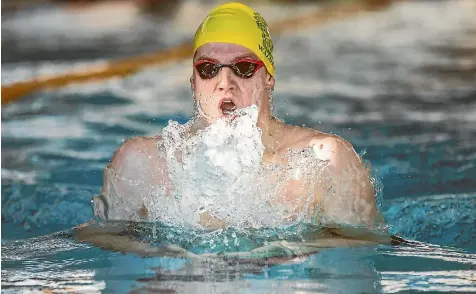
(215, 172)
(219, 173)
(216, 176)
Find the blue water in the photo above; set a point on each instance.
(399, 84)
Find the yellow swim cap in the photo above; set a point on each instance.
(238, 24)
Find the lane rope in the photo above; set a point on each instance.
(128, 66)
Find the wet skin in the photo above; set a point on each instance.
(352, 200)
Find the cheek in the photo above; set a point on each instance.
(201, 86)
(203, 92)
(254, 88)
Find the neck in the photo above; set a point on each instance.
(270, 127)
(198, 123)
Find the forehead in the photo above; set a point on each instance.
(223, 52)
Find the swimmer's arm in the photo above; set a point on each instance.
(120, 237)
(116, 238)
(139, 158)
(346, 192)
(136, 168)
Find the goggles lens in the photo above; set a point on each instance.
(244, 68)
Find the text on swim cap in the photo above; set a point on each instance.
(267, 45)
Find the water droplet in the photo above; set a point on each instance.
(225, 241)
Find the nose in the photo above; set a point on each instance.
(226, 80)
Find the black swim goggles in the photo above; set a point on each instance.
(244, 68)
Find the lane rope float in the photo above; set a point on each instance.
(127, 66)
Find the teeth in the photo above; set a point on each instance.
(229, 111)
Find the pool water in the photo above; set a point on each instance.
(399, 84)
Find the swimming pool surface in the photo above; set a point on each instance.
(399, 84)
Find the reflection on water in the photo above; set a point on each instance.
(58, 262)
(399, 84)
(62, 281)
(442, 281)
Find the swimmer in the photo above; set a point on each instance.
(232, 69)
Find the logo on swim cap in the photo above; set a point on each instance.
(267, 44)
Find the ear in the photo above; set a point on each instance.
(192, 83)
(270, 82)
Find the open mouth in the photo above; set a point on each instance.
(227, 107)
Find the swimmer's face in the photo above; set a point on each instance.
(226, 91)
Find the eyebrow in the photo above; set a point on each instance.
(244, 56)
(204, 57)
(247, 55)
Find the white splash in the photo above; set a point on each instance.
(218, 177)
(218, 172)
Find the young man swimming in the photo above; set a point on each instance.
(233, 69)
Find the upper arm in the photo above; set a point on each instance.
(136, 170)
(347, 192)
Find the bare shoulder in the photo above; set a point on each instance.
(135, 168)
(139, 146)
(353, 197)
(326, 146)
(334, 148)
(137, 154)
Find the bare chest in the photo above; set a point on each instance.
(297, 181)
